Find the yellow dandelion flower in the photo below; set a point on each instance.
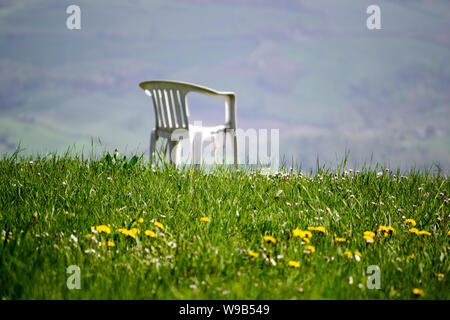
(253, 254)
(297, 233)
(140, 220)
(369, 234)
(191, 171)
(150, 233)
(310, 249)
(412, 256)
(418, 292)
(131, 233)
(111, 244)
(340, 239)
(159, 224)
(294, 264)
(412, 222)
(320, 229)
(448, 233)
(103, 228)
(390, 230)
(368, 239)
(419, 232)
(270, 239)
(302, 233)
(128, 233)
(386, 230)
(348, 254)
(204, 219)
(357, 253)
(135, 230)
(440, 276)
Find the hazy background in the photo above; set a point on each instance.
(310, 68)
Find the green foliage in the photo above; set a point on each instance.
(49, 204)
(117, 162)
(308, 68)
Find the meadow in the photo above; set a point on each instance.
(142, 232)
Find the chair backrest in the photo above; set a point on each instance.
(170, 102)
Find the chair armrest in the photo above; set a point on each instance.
(230, 104)
(230, 108)
(230, 111)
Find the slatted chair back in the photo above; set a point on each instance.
(171, 106)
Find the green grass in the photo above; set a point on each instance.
(44, 203)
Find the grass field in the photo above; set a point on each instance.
(138, 232)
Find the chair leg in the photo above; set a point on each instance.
(235, 154)
(153, 139)
(197, 149)
(165, 149)
(215, 138)
(224, 152)
(174, 152)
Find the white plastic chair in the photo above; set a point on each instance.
(172, 118)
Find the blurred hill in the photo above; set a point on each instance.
(310, 68)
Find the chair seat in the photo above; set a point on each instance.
(207, 131)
